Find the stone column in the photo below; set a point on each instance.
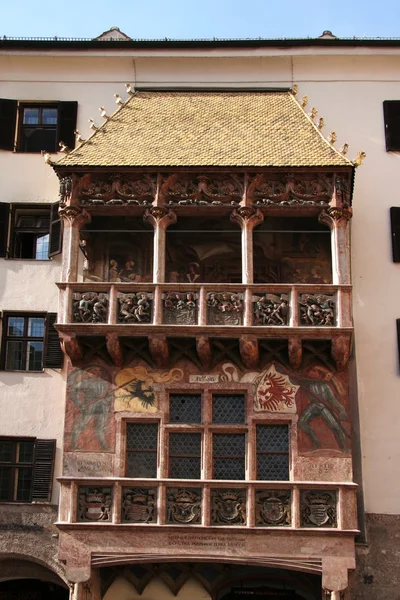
(247, 218)
(74, 219)
(160, 218)
(338, 220)
(335, 574)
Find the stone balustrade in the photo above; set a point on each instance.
(266, 306)
(273, 504)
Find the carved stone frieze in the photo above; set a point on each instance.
(317, 310)
(215, 189)
(273, 508)
(116, 189)
(94, 503)
(228, 507)
(139, 505)
(134, 307)
(184, 506)
(270, 309)
(89, 307)
(180, 308)
(224, 308)
(318, 508)
(290, 190)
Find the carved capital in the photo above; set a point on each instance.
(159, 216)
(341, 350)
(335, 215)
(75, 216)
(247, 216)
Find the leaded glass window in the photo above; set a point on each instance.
(228, 408)
(184, 455)
(185, 408)
(142, 441)
(229, 455)
(273, 452)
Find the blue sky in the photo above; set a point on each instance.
(201, 18)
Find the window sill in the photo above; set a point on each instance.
(30, 259)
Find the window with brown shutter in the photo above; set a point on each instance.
(26, 469)
(30, 342)
(41, 125)
(391, 113)
(30, 231)
(395, 227)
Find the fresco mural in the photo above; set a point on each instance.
(135, 388)
(316, 394)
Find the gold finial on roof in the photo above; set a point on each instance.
(78, 136)
(129, 89)
(63, 147)
(321, 123)
(92, 125)
(47, 157)
(295, 89)
(304, 101)
(118, 99)
(359, 159)
(103, 112)
(344, 149)
(313, 113)
(332, 137)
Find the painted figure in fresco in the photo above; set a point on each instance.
(193, 272)
(129, 274)
(91, 391)
(324, 404)
(113, 273)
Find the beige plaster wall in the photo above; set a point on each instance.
(121, 589)
(348, 87)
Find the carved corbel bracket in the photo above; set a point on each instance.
(159, 350)
(72, 348)
(159, 216)
(295, 349)
(114, 348)
(249, 351)
(75, 216)
(341, 350)
(204, 351)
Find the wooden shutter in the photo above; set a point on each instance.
(8, 120)
(67, 113)
(391, 113)
(4, 224)
(398, 337)
(53, 355)
(395, 225)
(55, 241)
(43, 470)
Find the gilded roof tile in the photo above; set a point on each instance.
(218, 129)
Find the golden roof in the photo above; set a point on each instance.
(218, 129)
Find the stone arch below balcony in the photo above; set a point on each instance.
(216, 581)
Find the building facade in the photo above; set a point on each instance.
(214, 425)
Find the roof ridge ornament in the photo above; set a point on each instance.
(360, 157)
(92, 125)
